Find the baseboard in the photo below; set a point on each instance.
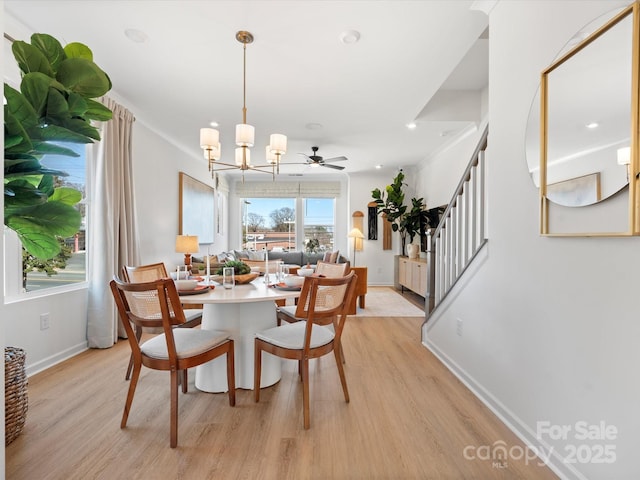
(518, 427)
(55, 359)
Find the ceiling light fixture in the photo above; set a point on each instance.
(245, 133)
(592, 125)
(349, 37)
(137, 36)
(411, 126)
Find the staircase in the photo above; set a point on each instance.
(460, 235)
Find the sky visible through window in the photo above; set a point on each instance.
(74, 166)
(317, 211)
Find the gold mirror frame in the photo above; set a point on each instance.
(634, 181)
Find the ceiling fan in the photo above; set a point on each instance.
(317, 161)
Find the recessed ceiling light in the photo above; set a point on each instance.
(592, 125)
(137, 36)
(313, 126)
(411, 126)
(349, 37)
(214, 124)
(378, 167)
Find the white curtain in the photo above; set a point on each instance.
(113, 238)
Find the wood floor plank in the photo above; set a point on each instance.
(409, 418)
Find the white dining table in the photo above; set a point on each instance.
(241, 311)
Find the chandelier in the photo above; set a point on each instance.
(210, 138)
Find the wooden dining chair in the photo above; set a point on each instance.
(149, 273)
(322, 299)
(286, 313)
(157, 304)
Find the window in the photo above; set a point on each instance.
(270, 223)
(319, 221)
(288, 215)
(69, 267)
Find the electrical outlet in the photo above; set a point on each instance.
(44, 321)
(459, 326)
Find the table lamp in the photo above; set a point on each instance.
(187, 244)
(355, 234)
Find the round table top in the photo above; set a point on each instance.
(256, 291)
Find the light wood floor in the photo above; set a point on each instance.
(409, 418)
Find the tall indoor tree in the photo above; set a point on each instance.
(53, 106)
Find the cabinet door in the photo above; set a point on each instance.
(419, 278)
(404, 272)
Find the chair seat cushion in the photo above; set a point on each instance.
(290, 311)
(192, 313)
(291, 335)
(189, 342)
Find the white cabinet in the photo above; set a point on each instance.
(412, 274)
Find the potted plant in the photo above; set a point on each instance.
(54, 105)
(408, 222)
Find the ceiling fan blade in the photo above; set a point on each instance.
(336, 159)
(336, 167)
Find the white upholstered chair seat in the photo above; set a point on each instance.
(192, 313)
(291, 335)
(189, 342)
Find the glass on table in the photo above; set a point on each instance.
(228, 277)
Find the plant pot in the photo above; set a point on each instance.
(15, 396)
(413, 250)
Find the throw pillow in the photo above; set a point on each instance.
(331, 257)
(256, 255)
(241, 254)
(224, 257)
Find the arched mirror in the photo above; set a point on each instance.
(587, 119)
(588, 116)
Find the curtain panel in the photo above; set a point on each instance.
(113, 236)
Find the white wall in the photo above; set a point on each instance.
(156, 177)
(437, 178)
(549, 325)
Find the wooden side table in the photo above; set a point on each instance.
(361, 288)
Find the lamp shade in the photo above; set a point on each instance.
(624, 156)
(355, 233)
(243, 156)
(272, 159)
(245, 134)
(209, 138)
(278, 143)
(186, 243)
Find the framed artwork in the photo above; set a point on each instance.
(196, 209)
(576, 192)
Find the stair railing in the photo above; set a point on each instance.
(460, 235)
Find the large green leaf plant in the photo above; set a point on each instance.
(54, 105)
(390, 201)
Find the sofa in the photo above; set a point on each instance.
(256, 259)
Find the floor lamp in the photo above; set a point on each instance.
(355, 234)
